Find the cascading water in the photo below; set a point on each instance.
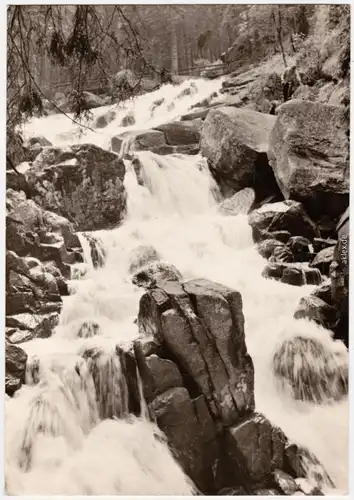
(149, 110)
(57, 438)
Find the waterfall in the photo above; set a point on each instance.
(69, 430)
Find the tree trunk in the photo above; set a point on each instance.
(279, 33)
(174, 50)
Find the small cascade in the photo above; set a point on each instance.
(311, 367)
(61, 132)
(94, 253)
(109, 380)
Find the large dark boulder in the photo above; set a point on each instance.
(323, 260)
(339, 274)
(83, 183)
(282, 216)
(15, 367)
(315, 309)
(201, 323)
(30, 290)
(309, 153)
(235, 142)
(255, 449)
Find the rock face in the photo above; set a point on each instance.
(224, 371)
(83, 183)
(15, 367)
(282, 216)
(309, 153)
(256, 449)
(199, 325)
(235, 142)
(156, 272)
(30, 230)
(33, 300)
(339, 274)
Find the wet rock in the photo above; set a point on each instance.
(175, 415)
(339, 274)
(284, 482)
(239, 203)
(92, 101)
(313, 276)
(273, 270)
(156, 104)
(141, 256)
(309, 153)
(14, 198)
(15, 367)
(128, 120)
(189, 149)
(293, 276)
(266, 247)
(315, 309)
(323, 260)
(195, 115)
(36, 326)
(16, 181)
(321, 243)
(83, 183)
(97, 251)
(312, 369)
(323, 292)
(300, 463)
(155, 273)
(103, 120)
(29, 289)
(192, 89)
(301, 248)
(282, 216)
(181, 133)
(39, 139)
(19, 336)
(183, 318)
(62, 284)
(235, 142)
(89, 329)
(266, 492)
(281, 254)
(237, 491)
(307, 488)
(256, 449)
(158, 375)
(27, 224)
(282, 236)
